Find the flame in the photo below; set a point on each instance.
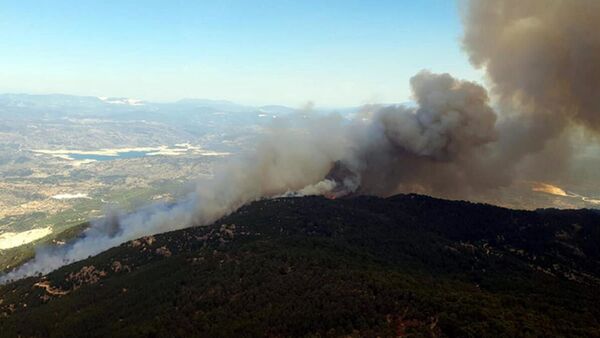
(554, 190)
(330, 196)
(549, 189)
(591, 200)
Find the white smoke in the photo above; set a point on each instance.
(295, 157)
(107, 233)
(305, 155)
(292, 155)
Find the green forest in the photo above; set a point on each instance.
(408, 265)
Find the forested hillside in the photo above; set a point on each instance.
(311, 266)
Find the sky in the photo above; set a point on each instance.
(332, 53)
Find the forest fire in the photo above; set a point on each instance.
(549, 189)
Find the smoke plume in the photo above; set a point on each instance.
(541, 55)
(542, 60)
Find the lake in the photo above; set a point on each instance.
(123, 155)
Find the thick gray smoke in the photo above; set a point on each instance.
(542, 55)
(542, 58)
(437, 146)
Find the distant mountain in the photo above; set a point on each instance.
(57, 106)
(366, 266)
(194, 113)
(216, 104)
(49, 100)
(276, 110)
(122, 100)
(85, 105)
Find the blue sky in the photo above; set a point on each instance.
(333, 53)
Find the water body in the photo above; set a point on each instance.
(123, 155)
(127, 153)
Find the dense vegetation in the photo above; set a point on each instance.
(405, 265)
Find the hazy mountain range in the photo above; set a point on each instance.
(59, 105)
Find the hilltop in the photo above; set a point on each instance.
(312, 266)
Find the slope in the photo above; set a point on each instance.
(310, 266)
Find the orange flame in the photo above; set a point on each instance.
(549, 189)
